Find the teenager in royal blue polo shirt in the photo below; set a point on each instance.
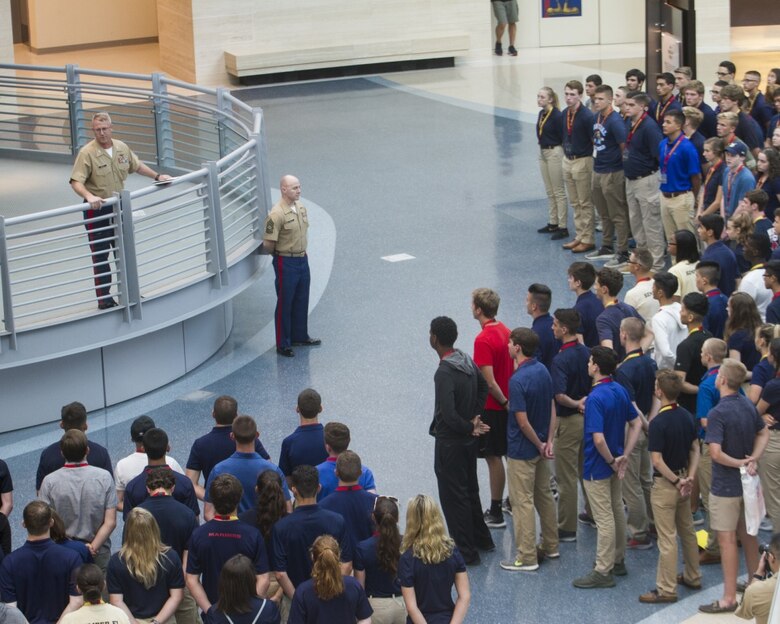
(245, 464)
(581, 277)
(607, 411)
(636, 373)
(337, 439)
(577, 121)
(208, 450)
(376, 563)
(772, 282)
(294, 534)
(688, 365)
(305, 445)
(350, 500)
(537, 304)
(156, 446)
(216, 541)
(571, 384)
(640, 165)
(680, 174)
(737, 178)
(707, 278)
(608, 285)
(675, 450)
(145, 577)
(39, 577)
(710, 229)
(530, 430)
(73, 416)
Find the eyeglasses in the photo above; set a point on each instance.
(722, 73)
(390, 498)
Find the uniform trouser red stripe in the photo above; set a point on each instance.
(101, 242)
(293, 280)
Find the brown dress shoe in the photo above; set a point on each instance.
(571, 244)
(583, 247)
(708, 558)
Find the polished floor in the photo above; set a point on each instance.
(441, 166)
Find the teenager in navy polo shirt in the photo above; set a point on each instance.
(294, 534)
(238, 601)
(707, 277)
(156, 446)
(607, 411)
(772, 282)
(608, 285)
(571, 384)
(305, 445)
(216, 541)
(537, 304)
(208, 450)
(769, 408)
(245, 464)
(72, 416)
(337, 440)
(430, 565)
(350, 500)
(664, 88)
(145, 577)
(581, 277)
(710, 229)
(376, 563)
(763, 371)
(40, 575)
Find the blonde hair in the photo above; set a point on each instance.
(326, 567)
(552, 95)
(142, 551)
(425, 533)
(733, 372)
(102, 117)
(743, 222)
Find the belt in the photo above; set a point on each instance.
(577, 157)
(680, 473)
(549, 147)
(674, 194)
(644, 175)
(291, 254)
(388, 596)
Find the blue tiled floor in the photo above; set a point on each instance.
(458, 189)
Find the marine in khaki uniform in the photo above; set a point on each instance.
(100, 170)
(285, 237)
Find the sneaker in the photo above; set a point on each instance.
(547, 229)
(567, 536)
(493, 521)
(594, 580)
(698, 517)
(618, 259)
(506, 506)
(600, 254)
(554, 488)
(542, 554)
(585, 518)
(643, 543)
(560, 234)
(519, 566)
(512, 51)
(499, 49)
(619, 569)
(766, 524)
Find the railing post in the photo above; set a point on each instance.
(163, 132)
(78, 136)
(223, 104)
(216, 257)
(263, 177)
(127, 269)
(5, 284)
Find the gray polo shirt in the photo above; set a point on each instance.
(80, 494)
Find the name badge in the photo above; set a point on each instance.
(625, 155)
(595, 152)
(662, 178)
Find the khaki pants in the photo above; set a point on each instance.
(636, 489)
(609, 197)
(188, 612)
(705, 481)
(606, 504)
(578, 175)
(677, 214)
(769, 472)
(388, 610)
(551, 166)
(568, 468)
(672, 518)
(529, 488)
(644, 215)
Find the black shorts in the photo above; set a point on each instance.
(493, 443)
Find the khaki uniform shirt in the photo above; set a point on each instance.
(757, 601)
(287, 227)
(104, 175)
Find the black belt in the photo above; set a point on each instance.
(576, 157)
(674, 194)
(291, 254)
(680, 473)
(549, 147)
(644, 175)
(388, 596)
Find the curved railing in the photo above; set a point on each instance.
(167, 237)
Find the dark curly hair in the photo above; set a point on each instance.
(271, 506)
(388, 548)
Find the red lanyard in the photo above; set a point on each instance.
(570, 115)
(713, 169)
(663, 110)
(603, 380)
(634, 127)
(732, 175)
(669, 152)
